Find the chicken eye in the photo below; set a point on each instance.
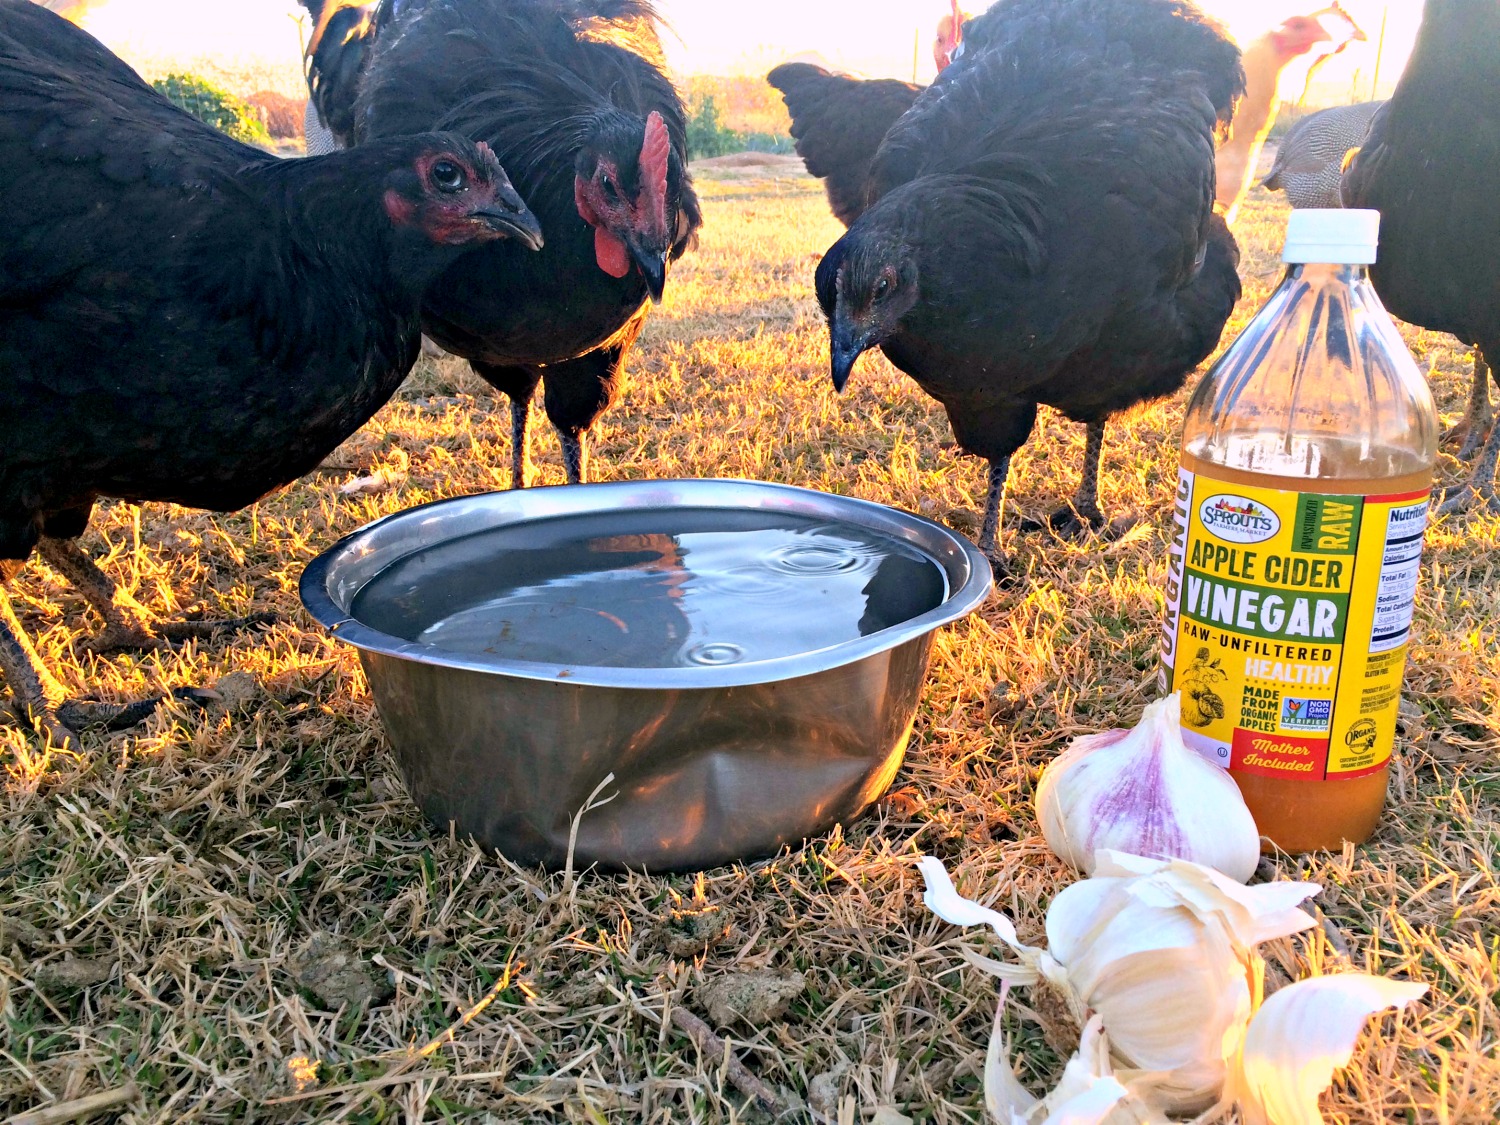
(610, 191)
(883, 286)
(448, 176)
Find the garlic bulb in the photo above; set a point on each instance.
(1163, 951)
(1300, 1036)
(1143, 792)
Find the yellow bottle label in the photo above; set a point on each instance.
(1287, 620)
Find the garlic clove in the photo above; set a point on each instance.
(1144, 792)
(1163, 951)
(1176, 1012)
(1005, 1100)
(1087, 1094)
(1082, 914)
(1300, 1036)
(1253, 914)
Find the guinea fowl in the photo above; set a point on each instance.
(1429, 170)
(1310, 158)
(838, 122)
(1042, 228)
(573, 98)
(185, 318)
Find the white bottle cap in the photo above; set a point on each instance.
(1341, 237)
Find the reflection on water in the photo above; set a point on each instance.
(697, 587)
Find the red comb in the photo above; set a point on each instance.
(655, 150)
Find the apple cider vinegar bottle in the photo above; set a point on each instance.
(1307, 463)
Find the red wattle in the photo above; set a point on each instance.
(611, 254)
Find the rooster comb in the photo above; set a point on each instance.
(655, 151)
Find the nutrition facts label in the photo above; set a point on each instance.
(1398, 577)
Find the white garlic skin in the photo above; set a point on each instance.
(1142, 791)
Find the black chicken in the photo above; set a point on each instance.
(1042, 228)
(572, 97)
(185, 318)
(1428, 166)
(838, 122)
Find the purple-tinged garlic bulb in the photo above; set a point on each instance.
(1142, 791)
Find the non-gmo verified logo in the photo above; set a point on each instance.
(1238, 519)
(1305, 714)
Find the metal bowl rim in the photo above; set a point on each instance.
(963, 598)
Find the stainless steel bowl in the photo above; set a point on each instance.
(710, 764)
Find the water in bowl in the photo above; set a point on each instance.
(653, 589)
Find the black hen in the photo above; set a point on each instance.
(572, 97)
(1042, 228)
(185, 318)
(1428, 165)
(838, 122)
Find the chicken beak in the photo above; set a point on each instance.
(845, 345)
(516, 223)
(653, 267)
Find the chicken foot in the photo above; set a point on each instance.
(40, 696)
(989, 529)
(127, 623)
(1479, 490)
(1478, 418)
(1081, 513)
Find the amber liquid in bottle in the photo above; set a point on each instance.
(1288, 606)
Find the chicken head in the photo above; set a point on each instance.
(950, 34)
(455, 192)
(870, 290)
(622, 190)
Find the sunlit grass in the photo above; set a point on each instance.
(159, 886)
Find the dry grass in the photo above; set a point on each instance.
(161, 889)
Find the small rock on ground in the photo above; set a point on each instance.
(754, 999)
(18, 932)
(327, 968)
(74, 973)
(692, 933)
(237, 690)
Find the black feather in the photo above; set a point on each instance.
(838, 123)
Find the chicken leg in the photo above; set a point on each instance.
(520, 390)
(1082, 512)
(989, 529)
(575, 452)
(127, 623)
(517, 383)
(1479, 417)
(1479, 490)
(520, 442)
